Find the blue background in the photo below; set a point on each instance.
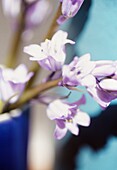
(95, 31)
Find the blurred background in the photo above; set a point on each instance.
(94, 30)
(41, 145)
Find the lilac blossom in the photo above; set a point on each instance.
(104, 68)
(67, 116)
(78, 72)
(51, 53)
(11, 8)
(105, 90)
(69, 9)
(99, 78)
(12, 82)
(101, 96)
(35, 11)
(30, 1)
(6, 92)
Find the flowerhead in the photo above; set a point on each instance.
(12, 82)
(99, 78)
(67, 116)
(79, 72)
(69, 9)
(51, 53)
(11, 8)
(105, 73)
(35, 11)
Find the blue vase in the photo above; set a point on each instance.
(13, 142)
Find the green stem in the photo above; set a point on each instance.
(15, 45)
(54, 24)
(31, 94)
(35, 67)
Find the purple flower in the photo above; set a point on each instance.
(12, 82)
(69, 9)
(6, 92)
(51, 53)
(105, 73)
(35, 11)
(11, 8)
(78, 72)
(104, 68)
(99, 78)
(67, 116)
(104, 92)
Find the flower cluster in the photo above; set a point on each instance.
(51, 53)
(13, 82)
(33, 10)
(98, 77)
(67, 116)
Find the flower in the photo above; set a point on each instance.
(35, 11)
(104, 68)
(99, 78)
(51, 53)
(78, 72)
(11, 8)
(104, 92)
(12, 82)
(105, 73)
(69, 9)
(5, 89)
(67, 116)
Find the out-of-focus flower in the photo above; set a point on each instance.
(12, 82)
(78, 72)
(35, 11)
(51, 53)
(69, 9)
(67, 117)
(30, 1)
(6, 92)
(11, 8)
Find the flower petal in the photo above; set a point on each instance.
(109, 84)
(35, 51)
(99, 96)
(57, 109)
(104, 70)
(59, 133)
(72, 127)
(88, 80)
(82, 118)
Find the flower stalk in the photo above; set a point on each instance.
(16, 42)
(35, 67)
(31, 94)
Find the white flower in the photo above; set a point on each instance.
(67, 117)
(51, 53)
(12, 82)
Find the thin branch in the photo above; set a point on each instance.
(31, 94)
(15, 45)
(54, 23)
(35, 67)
